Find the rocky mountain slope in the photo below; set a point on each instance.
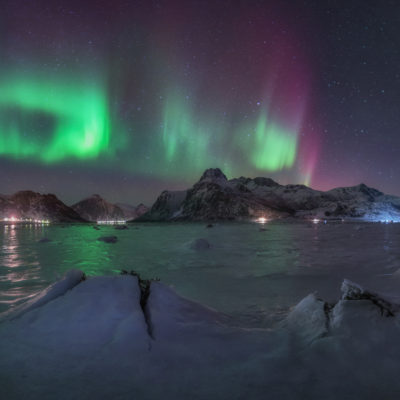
(215, 197)
(95, 208)
(132, 212)
(28, 204)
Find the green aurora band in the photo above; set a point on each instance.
(184, 137)
(193, 142)
(75, 119)
(49, 120)
(274, 148)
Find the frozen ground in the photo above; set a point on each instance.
(95, 340)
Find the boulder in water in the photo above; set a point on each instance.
(108, 239)
(200, 244)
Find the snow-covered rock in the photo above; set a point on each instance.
(100, 339)
(70, 280)
(308, 319)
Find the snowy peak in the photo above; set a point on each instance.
(214, 197)
(213, 174)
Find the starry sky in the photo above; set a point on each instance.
(128, 98)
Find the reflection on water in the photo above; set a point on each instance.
(251, 273)
(19, 267)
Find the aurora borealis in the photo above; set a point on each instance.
(129, 98)
(77, 120)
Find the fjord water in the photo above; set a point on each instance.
(253, 275)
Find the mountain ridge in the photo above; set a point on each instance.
(214, 197)
(27, 204)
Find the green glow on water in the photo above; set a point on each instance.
(53, 119)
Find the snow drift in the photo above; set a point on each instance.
(100, 338)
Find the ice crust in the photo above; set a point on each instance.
(91, 341)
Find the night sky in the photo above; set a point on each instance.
(128, 98)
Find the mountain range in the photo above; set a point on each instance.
(214, 197)
(95, 208)
(28, 204)
(32, 205)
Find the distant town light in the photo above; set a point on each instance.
(25, 220)
(315, 220)
(262, 220)
(111, 222)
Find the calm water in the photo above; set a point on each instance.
(255, 276)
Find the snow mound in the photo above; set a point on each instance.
(359, 311)
(108, 337)
(308, 319)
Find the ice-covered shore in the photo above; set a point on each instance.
(101, 338)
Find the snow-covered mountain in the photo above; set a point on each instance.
(215, 197)
(132, 212)
(95, 208)
(28, 204)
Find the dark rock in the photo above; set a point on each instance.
(108, 239)
(200, 244)
(44, 240)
